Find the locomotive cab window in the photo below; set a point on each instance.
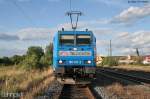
(67, 39)
(83, 39)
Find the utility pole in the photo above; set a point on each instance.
(110, 53)
(137, 52)
(138, 56)
(110, 49)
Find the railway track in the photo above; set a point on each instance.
(76, 92)
(126, 77)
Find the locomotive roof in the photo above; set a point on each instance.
(75, 32)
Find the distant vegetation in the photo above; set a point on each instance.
(33, 59)
(115, 61)
(109, 61)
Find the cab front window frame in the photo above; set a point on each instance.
(83, 39)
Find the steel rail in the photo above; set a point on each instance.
(124, 77)
(76, 92)
(136, 78)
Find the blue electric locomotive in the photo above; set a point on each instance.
(74, 55)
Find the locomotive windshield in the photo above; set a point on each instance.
(67, 39)
(83, 40)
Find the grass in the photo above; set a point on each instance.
(129, 92)
(30, 83)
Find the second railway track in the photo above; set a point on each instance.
(127, 77)
(76, 92)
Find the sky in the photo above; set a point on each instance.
(25, 23)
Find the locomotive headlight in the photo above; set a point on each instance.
(74, 49)
(89, 62)
(60, 62)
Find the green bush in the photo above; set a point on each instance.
(110, 61)
(49, 54)
(35, 50)
(32, 58)
(31, 62)
(44, 61)
(16, 59)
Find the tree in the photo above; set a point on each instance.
(35, 50)
(16, 59)
(44, 62)
(5, 61)
(31, 62)
(32, 59)
(49, 54)
(1, 60)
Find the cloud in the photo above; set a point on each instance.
(132, 14)
(36, 33)
(129, 41)
(84, 24)
(125, 43)
(10, 52)
(123, 35)
(8, 37)
(102, 31)
(102, 42)
(24, 38)
(127, 51)
(141, 38)
(29, 34)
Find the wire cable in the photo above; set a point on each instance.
(22, 11)
(70, 5)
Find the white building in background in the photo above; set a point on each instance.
(146, 59)
(99, 59)
(129, 57)
(126, 60)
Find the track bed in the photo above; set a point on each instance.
(76, 92)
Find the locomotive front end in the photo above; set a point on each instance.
(75, 54)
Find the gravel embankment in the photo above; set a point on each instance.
(99, 88)
(53, 91)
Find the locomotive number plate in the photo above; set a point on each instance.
(75, 62)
